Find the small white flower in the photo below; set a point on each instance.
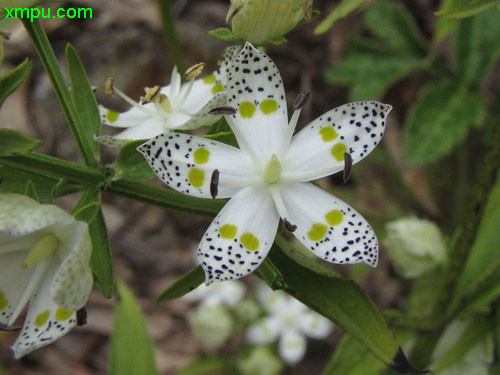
(260, 361)
(45, 257)
(211, 325)
(267, 177)
(229, 294)
(289, 321)
(176, 106)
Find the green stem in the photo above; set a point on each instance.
(461, 244)
(171, 38)
(49, 61)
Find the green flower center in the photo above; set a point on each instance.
(42, 249)
(272, 172)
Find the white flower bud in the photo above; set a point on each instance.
(261, 361)
(211, 325)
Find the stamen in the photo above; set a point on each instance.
(42, 249)
(289, 226)
(223, 111)
(151, 95)
(289, 131)
(186, 93)
(347, 166)
(214, 184)
(301, 100)
(109, 86)
(272, 172)
(194, 71)
(280, 207)
(81, 316)
(111, 89)
(164, 103)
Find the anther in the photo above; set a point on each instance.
(301, 100)
(109, 86)
(194, 71)
(289, 226)
(214, 183)
(151, 95)
(81, 316)
(347, 166)
(223, 111)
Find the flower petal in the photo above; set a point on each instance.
(292, 347)
(264, 331)
(255, 90)
(45, 321)
(225, 64)
(318, 149)
(186, 163)
(72, 282)
(201, 92)
(203, 117)
(144, 130)
(122, 119)
(240, 236)
(328, 227)
(314, 325)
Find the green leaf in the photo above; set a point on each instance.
(208, 366)
(184, 285)
(224, 34)
(13, 142)
(101, 261)
(132, 350)
(86, 103)
(14, 181)
(484, 257)
(391, 22)
(13, 79)
(439, 120)
(339, 299)
(446, 25)
(477, 46)
(468, 9)
(131, 164)
(342, 10)
(278, 41)
(30, 191)
(88, 212)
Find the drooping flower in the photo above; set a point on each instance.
(161, 110)
(267, 177)
(290, 321)
(45, 257)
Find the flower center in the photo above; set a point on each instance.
(42, 249)
(272, 171)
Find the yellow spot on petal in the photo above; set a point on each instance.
(338, 151)
(201, 155)
(247, 109)
(196, 177)
(228, 231)
(217, 88)
(249, 241)
(328, 134)
(3, 301)
(63, 314)
(334, 217)
(41, 318)
(209, 79)
(268, 106)
(112, 116)
(317, 232)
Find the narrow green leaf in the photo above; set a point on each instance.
(224, 34)
(13, 142)
(88, 212)
(85, 99)
(101, 261)
(131, 164)
(446, 25)
(439, 120)
(477, 46)
(13, 79)
(132, 350)
(271, 275)
(30, 190)
(184, 285)
(207, 366)
(338, 299)
(468, 9)
(342, 10)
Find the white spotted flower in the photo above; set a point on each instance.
(267, 177)
(288, 321)
(173, 107)
(45, 256)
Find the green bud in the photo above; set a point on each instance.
(266, 21)
(414, 245)
(211, 325)
(261, 361)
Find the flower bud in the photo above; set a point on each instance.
(414, 245)
(211, 325)
(247, 310)
(261, 361)
(266, 21)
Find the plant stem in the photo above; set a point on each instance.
(49, 61)
(171, 38)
